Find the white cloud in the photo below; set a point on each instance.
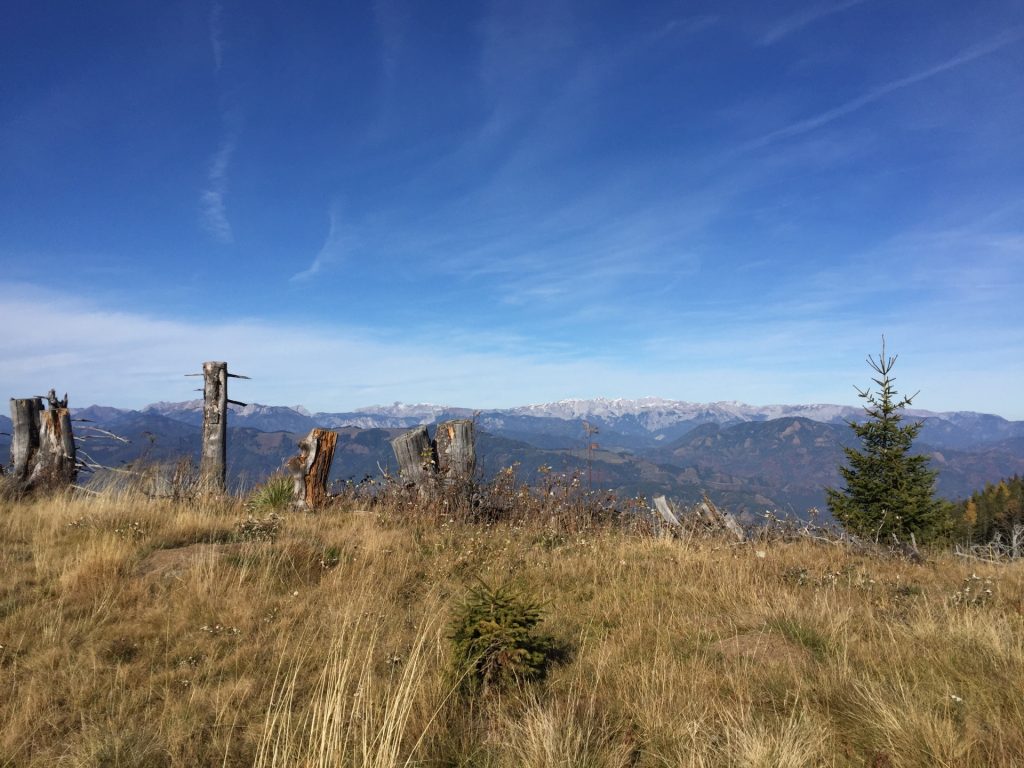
(212, 199)
(801, 19)
(130, 359)
(814, 122)
(217, 35)
(333, 248)
(790, 353)
(392, 21)
(214, 210)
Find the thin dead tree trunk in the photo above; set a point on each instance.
(213, 461)
(311, 468)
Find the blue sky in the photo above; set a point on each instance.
(495, 203)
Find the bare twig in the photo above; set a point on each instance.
(969, 556)
(105, 433)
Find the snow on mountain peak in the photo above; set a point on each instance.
(658, 412)
(645, 414)
(411, 410)
(165, 407)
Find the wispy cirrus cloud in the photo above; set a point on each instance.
(332, 250)
(392, 22)
(879, 92)
(214, 208)
(801, 19)
(217, 35)
(213, 204)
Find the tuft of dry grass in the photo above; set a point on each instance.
(145, 632)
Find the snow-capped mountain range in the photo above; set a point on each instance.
(622, 422)
(657, 412)
(654, 412)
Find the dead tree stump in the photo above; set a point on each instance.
(310, 469)
(213, 460)
(24, 434)
(450, 457)
(665, 511)
(42, 443)
(417, 457)
(721, 519)
(455, 442)
(56, 462)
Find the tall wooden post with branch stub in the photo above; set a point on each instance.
(213, 457)
(42, 442)
(311, 468)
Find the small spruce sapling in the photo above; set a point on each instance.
(496, 641)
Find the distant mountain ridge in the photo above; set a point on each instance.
(645, 419)
(750, 458)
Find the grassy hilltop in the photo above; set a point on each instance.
(141, 632)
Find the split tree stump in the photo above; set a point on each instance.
(721, 519)
(451, 456)
(311, 468)
(42, 442)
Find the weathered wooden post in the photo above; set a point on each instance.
(213, 460)
(42, 443)
(456, 450)
(417, 458)
(213, 457)
(310, 469)
(24, 434)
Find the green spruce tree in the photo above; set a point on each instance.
(888, 491)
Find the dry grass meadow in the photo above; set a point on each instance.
(143, 632)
